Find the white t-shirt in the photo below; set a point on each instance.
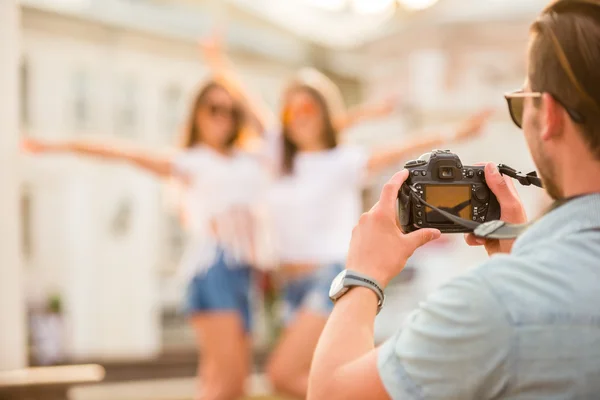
(315, 208)
(222, 208)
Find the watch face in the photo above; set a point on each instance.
(337, 286)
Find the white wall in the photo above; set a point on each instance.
(13, 352)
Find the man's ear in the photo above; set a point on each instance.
(553, 117)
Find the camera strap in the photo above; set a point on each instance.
(524, 179)
(492, 229)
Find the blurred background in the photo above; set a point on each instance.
(89, 250)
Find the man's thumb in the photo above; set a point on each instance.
(421, 237)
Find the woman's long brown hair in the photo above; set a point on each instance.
(192, 135)
(328, 133)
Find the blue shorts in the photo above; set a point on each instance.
(223, 287)
(310, 293)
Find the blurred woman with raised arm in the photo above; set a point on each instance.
(223, 188)
(315, 203)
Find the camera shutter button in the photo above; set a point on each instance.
(415, 163)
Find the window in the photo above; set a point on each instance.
(126, 111)
(24, 94)
(175, 240)
(122, 218)
(81, 99)
(427, 71)
(26, 224)
(172, 111)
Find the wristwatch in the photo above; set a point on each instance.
(348, 279)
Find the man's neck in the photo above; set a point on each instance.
(582, 176)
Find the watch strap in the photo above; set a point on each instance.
(354, 278)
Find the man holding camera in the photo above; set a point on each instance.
(526, 324)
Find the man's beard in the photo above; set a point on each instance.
(546, 172)
(551, 187)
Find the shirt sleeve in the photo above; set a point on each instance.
(354, 161)
(188, 162)
(455, 346)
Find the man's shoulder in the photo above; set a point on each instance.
(461, 330)
(555, 276)
(469, 296)
(556, 258)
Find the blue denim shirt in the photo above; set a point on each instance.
(522, 326)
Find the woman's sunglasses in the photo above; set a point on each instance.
(218, 110)
(516, 104)
(303, 109)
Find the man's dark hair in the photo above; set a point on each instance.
(564, 60)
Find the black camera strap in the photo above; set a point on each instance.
(525, 180)
(491, 229)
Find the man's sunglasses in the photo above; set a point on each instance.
(516, 103)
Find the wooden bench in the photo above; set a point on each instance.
(47, 383)
(163, 389)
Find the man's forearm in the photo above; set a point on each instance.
(348, 335)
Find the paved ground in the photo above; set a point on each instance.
(162, 389)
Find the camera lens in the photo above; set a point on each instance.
(446, 173)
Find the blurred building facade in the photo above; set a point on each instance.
(12, 307)
(445, 63)
(102, 236)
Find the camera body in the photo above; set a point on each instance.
(443, 181)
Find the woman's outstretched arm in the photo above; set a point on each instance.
(161, 166)
(471, 128)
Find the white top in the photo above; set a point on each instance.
(222, 206)
(314, 209)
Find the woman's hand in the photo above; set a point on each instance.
(36, 146)
(212, 50)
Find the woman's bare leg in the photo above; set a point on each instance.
(224, 349)
(289, 365)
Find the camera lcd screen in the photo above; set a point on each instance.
(455, 199)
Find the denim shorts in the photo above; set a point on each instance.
(310, 292)
(224, 287)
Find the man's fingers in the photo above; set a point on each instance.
(421, 237)
(387, 201)
(505, 192)
(511, 186)
(473, 240)
(497, 184)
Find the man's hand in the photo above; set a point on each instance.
(378, 247)
(511, 210)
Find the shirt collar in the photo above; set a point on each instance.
(579, 214)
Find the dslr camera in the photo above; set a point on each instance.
(441, 180)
